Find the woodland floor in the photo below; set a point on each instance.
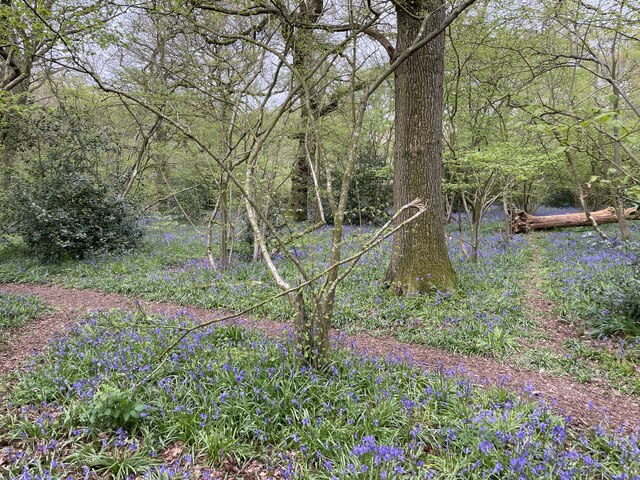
(588, 404)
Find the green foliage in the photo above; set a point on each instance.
(371, 192)
(560, 197)
(67, 215)
(522, 171)
(62, 206)
(227, 392)
(621, 299)
(112, 407)
(117, 459)
(634, 193)
(371, 195)
(18, 309)
(50, 140)
(6, 216)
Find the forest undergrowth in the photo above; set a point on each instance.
(228, 399)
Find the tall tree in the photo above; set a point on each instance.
(420, 259)
(259, 26)
(309, 12)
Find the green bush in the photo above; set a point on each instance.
(62, 196)
(371, 191)
(113, 408)
(68, 214)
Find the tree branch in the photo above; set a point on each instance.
(379, 37)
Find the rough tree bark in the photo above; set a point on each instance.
(303, 45)
(522, 222)
(301, 175)
(420, 259)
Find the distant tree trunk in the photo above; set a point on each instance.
(616, 193)
(301, 175)
(449, 202)
(161, 168)
(303, 47)
(7, 157)
(225, 223)
(9, 134)
(506, 235)
(420, 259)
(227, 232)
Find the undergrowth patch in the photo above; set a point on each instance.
(484, 316)
(226, 394)
(16, 310)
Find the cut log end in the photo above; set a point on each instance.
(522, 222)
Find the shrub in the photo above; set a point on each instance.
(371, 191)
(112, 407)
(62, 198)
(69, 214)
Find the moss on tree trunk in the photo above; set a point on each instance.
(420, 259)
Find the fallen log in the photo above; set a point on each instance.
(522, 222)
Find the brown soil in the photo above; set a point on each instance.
(587, 404)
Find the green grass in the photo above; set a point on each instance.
(591, 280)
(16, 310)
(611, 362)
(483, 317)
(228, 392)
(583, 276)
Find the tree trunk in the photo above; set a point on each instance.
(298, 198)
(303, 47)
(507, 218)
(312, 333)
(617, 161)
(225, 223)
(616, 193)
(9, 133)
(523, 222)
(7, 156)
(420, 259)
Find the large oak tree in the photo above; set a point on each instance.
(420, 259)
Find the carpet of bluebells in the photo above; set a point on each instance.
(586, 273)
(596, 286)
(101, 404)
(483, 317)
(16, 310)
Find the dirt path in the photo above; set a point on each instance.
(540, 309)
(587, 404)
